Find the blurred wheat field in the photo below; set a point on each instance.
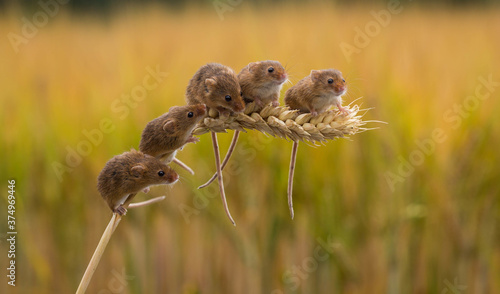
(436, 228)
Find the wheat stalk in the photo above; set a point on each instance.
(285, 123)
(106, 236)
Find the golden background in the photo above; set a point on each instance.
(434, 230)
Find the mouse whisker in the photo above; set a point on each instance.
(289, 80)
(289, 68)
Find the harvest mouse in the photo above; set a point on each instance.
(126, 174)
(261, 82)
(216, 86)
(164, 135)
(317, 92)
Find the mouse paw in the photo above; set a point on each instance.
(193, 139)
(224, 113)
(314, 113)
(121, 210)
(276, 103)
(343, 110)
(258, 102)
(146, 190)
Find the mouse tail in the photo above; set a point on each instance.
(219, 177)
(226, 158)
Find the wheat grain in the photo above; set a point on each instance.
(285, 123)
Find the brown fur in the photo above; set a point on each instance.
(126, 174)
(164, 135)
(260, 85)
(211, 84)
(314, 94)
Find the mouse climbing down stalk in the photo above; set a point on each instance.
(126, 174)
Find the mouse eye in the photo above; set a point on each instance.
(343, 80)
(271, 69)
(161, 173)
(241, 93)
(330, 81)
(190, 114)
(228, 98)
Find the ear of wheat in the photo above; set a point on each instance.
(285, 123)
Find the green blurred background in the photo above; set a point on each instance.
(409, 208)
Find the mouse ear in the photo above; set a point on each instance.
(137, 170)
(210, 83)
(173, 108)
(315, 75)
(169, 126)
(253, 66)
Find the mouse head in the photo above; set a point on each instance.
(225, 91)
(147, 171)
(329, 80)
(268, 71)
(183, 119)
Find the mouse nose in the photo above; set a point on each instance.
(239, 107)
(173, 177)
(341, 88)
(202, 108)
